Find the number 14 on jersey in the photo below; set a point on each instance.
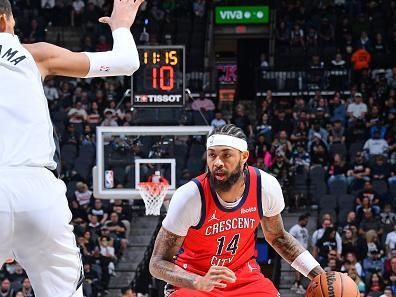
(225, 248)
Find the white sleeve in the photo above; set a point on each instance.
(184, 209)
(272, 197)
(123, 59)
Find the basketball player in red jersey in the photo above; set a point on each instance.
(207, 241)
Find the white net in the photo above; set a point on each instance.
(153, 195)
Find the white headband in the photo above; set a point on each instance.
(227, 140)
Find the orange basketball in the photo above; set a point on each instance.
(332, 284)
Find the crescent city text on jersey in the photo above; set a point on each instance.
(230, 224)
(11, 55)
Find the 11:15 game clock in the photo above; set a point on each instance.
(160, 80)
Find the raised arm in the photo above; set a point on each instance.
(288, 247)
(123, 59)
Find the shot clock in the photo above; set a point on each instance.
(160, 80)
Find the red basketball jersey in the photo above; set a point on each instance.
(224, 237)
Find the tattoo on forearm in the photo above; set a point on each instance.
(287, 246)
(162, 267)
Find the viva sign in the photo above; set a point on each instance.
(242, 15)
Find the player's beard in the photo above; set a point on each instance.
(225, 185)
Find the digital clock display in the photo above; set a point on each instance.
(160, 79)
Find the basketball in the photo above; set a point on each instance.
(332, 284)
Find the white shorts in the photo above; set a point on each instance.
(36, 231)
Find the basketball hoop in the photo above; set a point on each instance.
(153, 195)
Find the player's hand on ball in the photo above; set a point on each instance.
(123, 14)
(216, 277)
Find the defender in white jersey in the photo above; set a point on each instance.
(34, 214)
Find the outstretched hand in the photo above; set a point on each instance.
(123, 14)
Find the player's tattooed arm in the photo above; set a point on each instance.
(283, 242)
(162, 267)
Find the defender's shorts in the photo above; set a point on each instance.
(34, 218)
(249, 283)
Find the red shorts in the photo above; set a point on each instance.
(250, 282)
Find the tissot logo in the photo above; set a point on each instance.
(247, 210)
(158, 98)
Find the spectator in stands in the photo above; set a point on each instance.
(128, 292)
(27, 289)
(107, 252)
(82, 194)
(376, 145)
(380, 170)
(318, 234)
(338, 62)
(388, 217)
(281, 122)
(337, 132)
(318, 151)
(280, 168)
(297, 36)
(319, 132)
(50, 91)
(359, 283)
(364, 42)
(5, 288)
(337, 169)
(77, 12)
(311, 38)
(300, 159)
(337, 109)
(99, 211)
(326, 33)
(361, 60)
(370, 222)
(358, 109)
(300, 232)
(263, 126)
(281, 142)
(351, 261)
(375, 283)
(199, 8)
(325, 244)
(117, 231)
(367, 243)
(218, 119)
(390, 241)
(91, 281)
(241, 120)
(359, 171)
(349, 241)
(387, 292)
(282, 35)
(109, 120)
(203, 103)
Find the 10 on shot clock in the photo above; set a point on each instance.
(160, 80)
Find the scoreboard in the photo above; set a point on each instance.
(160, 80)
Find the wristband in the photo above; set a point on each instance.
(304, 263)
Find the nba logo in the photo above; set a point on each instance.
(109, 179)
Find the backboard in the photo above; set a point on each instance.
(127, 156)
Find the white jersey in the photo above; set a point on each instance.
(26, 132)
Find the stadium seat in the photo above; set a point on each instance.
(328, 202)
(392, 190)
(68, 154)
(345, 202)
(338, 187)
(317, 174)
(380, 186)
(338, 148)
(354, 148)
